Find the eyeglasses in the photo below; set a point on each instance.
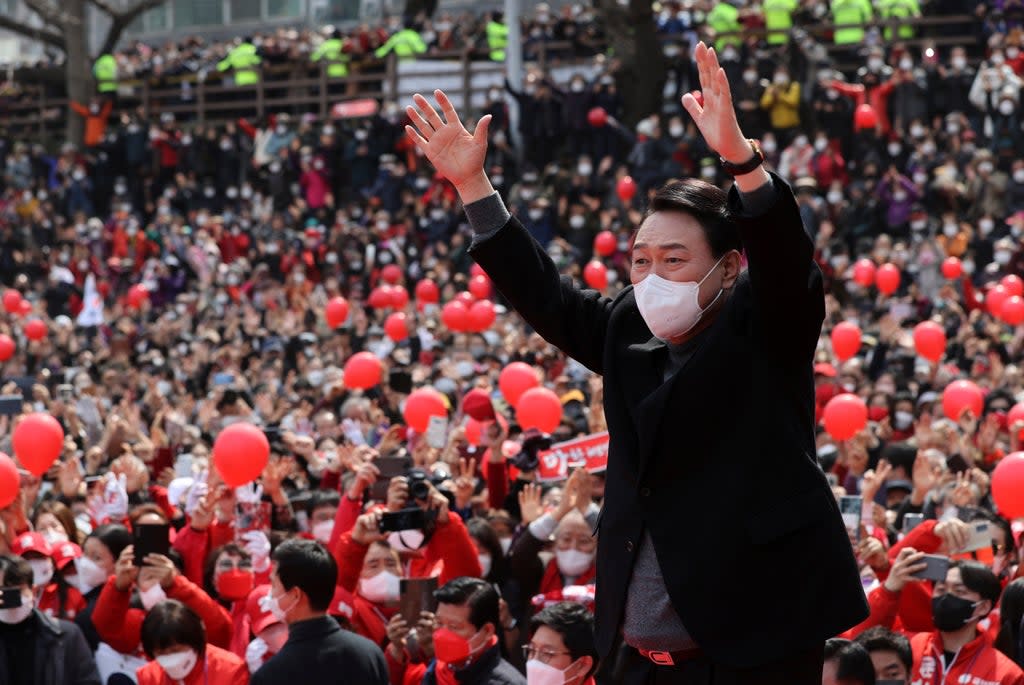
(228, 564)
(544, 656)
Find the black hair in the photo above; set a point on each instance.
(171, 623)
(854, 663)
(1011, 617)
(881, 639)
(323, 498)
(978, 577)
(16, 571)
(487, 539)
(476, 593)
(308, 565)
(575, 624)
(114, 537)
(900, 455)
(706, 203)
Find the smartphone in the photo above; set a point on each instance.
(957, 463)
(437, 432)
(65, 392)
(151, 538)
(400, 381)
(911, 521)
(223, 379)
(851, 507)
(980, 537)
(389, 467)
(411, 518)
(163, 458)
(936, 569)
(10, 597)
(10, 405)
(416, 595)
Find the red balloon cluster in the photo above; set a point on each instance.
(481, 316)
(605, 243)
(960, 395)
(455, 316)
(930, 340)
(398, 296)
(428, 292)
(515, 379)
(420, 406)
(466, 298)
(38, 440)
(864, 272)
(137, 296)
(385, 296)
(240, 453)
(887, 279)
(6, 347)
(596, 275)
(362, 371)
(480, 287)
(845, 340)
(539, 408)
(1008, 486)
(597, 117)
(396, 326)
(845, 415)
(12, 301)
(994, 299)
(1008, 302)
(336, 311)
(1013, 284)
(626, 188)
(952, 268)
(35, 329)
(10, 481)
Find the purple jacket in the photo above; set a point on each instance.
(898, 209)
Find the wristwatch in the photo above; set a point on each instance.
(748, 166)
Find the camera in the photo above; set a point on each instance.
(419, 485)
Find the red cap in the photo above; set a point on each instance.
(825, 369)
(259, 618)
(341, 604)
(32, 542)
(64, 553)
(477, 404)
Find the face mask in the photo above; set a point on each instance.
(874, 63)
(906, 64)
(834, 197)
(42, 572)
(406, 540)
(1012, 53)
(316, 377)
(781, 79)
(235, 585)
(676, 131)
(968, 268)
(952, 128)
(959, 62)
(577, 87)
(485, 564)
(179, 664)
(894, 149)
(381, 588)
(18, 614)
(769, 146)
(820, 144)
(951, 613)
(78, 175)
(153, 596)
(322, 531)
(572, 562)
(536, 214)
(708, 172)
(451, 648)
(90, 575)
(540, 673)
(577, 221)
(506, 544)
(54, 537)
(928, 149)
(585, 169)
(498, 180)
(1006, 108)
(997, 59)
(1018, 176)
(671, 308)
(273, 605)
(902, 420)
(986, 226)
(950, 230)
(1002, 257)
(985, 168)
(899, 196)
(750, 77)
(917, 131)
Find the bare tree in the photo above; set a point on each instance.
(65, 28)
(633, 39)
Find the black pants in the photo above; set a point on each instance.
(627, 667)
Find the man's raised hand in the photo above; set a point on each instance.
(716, 117)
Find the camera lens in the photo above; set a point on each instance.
(419, 489)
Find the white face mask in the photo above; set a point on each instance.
(381, 588)
(18, 614)
(42, 572)
(902, 420)
(572, 562)
(671, 308)
(820, 144)
(986, 226)
(540, 673)
(179, 664)
(950, 230)
(153, 596)
(769, 146)
(750, 76)
(1006, 108)
(506, 544)
(406, 540)
(577, 221)
(90, 575)
(273, 605)
(322, 531)
(959, 62)
(485, 564)
(54, 536)
(1002, 257)
(1018, 175)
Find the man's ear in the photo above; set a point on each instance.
(731, 266)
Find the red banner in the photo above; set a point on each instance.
(589, 452)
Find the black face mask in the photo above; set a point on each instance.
(950, 612)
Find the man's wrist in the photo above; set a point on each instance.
(738, 153)
(477, 187)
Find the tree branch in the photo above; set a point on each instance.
(122, 18)
(36, 33)
(51, 14)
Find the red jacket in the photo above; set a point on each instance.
(219, 668)
(120, 626)
(49, 602)
(977, 663)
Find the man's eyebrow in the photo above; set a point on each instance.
(666, 246)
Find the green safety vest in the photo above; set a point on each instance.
(724, 18)
(850, 12)
(778, 16)
(899, 9)
(105, 71)
(406, 44)
(331, 50)
(497, 40)
(242, 59)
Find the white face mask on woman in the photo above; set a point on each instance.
(178, 665)
(90, 575)
(572, 562)
(381, 588)
(671, 308)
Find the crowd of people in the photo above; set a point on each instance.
(239, 235)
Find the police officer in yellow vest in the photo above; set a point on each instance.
(497, 37)
(332, 50)
(850, 12)
(778, 19)
(407, 43)
(243, 60)
(724, 18)
(105, 72)
(899, 9)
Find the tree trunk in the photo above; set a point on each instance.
(635, 47)
(78, 67)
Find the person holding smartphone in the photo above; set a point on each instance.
(709, 402)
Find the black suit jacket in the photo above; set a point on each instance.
(319, 651)
(717, 463)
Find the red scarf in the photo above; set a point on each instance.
(553, 582)
(371, 619)
(446, 676)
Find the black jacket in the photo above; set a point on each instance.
(319, 651)
(61, 654)
(718, 462)
(490, 669)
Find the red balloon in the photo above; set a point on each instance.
(1012, 311)
(596, 275)
(1015, 414)
(25, 309)
(476, 270)
(38, 440)
(597, 117)
(845, 340)
(995, 298)
(466, 298)
(474, 431)
(930, 340)
(137, 294)
(605, 243)
(240, 453)
(864, 272)
(397, 326)
(427, 291)
(1008, 486)
(10, 481)
(12, 301)
(391, 274)
(399, 296)
(480, 287)
(626, 188)
(363, 371)
(336, 311)
(865, 117)
(845, 416)
(380, 297)
(35, 329)
(952, 268)
(887, 278)
(515, 379)
(960, 395)
(539, 408)
(1013, 284)
(455, 316)
(420, 406)
(6, 348)
(481, 316)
